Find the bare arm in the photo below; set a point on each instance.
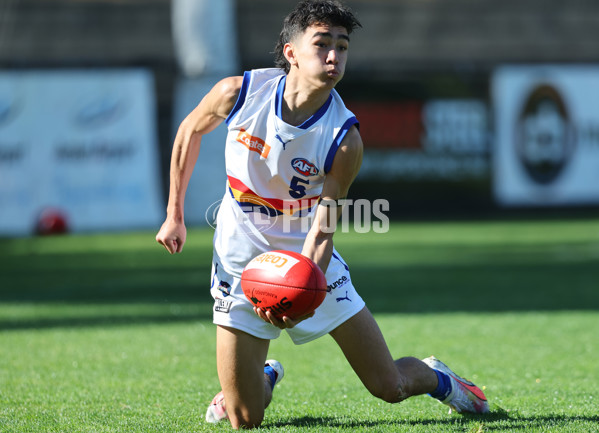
(318, 245)
(212, 110)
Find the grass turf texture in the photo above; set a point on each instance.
(108, 333)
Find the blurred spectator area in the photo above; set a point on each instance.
(421, 34)
(397, 34)
(403, 41)
(84, 32)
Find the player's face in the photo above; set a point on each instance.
(321, 53)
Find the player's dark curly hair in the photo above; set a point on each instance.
(307, 13)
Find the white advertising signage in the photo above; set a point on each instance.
(547, 135)
(81, 142)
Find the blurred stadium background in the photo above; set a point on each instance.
(468, 109)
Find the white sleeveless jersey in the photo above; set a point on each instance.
(275, 171)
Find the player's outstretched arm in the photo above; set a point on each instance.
(318, 245)
(212, 110)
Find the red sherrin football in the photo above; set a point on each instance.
(284, 283)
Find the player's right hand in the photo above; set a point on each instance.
(282, 323)
(172, 236)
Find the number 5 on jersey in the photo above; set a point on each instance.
(297, 187)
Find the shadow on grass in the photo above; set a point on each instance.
(488, 422)
(487, 287)
(483, 280)
(105, 320)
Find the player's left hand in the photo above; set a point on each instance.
(282, 323)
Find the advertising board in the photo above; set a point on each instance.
(547, 135)
(81, 142)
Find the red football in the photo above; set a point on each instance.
(284, 283)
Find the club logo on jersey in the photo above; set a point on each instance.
(225, 288)
(304, 167)
(255, 144)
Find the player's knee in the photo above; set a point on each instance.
(391, 391)
(244, 419)
(244, 422)
(247, 424)
(386, 393)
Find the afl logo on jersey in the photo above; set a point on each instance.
(545, 136)
(304, 167)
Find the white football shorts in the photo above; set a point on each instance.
(234, 310)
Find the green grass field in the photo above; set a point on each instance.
(108, 333)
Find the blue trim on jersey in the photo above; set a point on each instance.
(342, 262)
(265, 210)
(279, 96)
(312, 119)
(316, 116)
(328, 163)
(214, 277)
(241, 98)
(247, 207)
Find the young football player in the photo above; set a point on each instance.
(292, 152)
